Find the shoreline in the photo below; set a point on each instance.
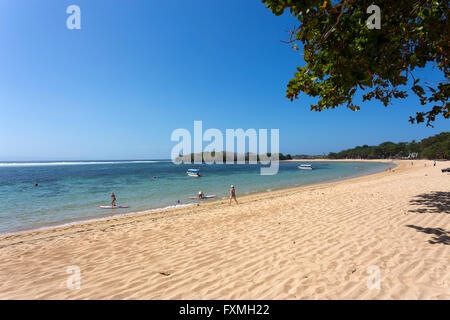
(171, 208)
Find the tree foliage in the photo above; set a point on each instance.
(343, 55)
(435, 147)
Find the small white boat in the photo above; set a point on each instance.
(305, 167)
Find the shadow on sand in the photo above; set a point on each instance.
(440, 235)
(434, 202)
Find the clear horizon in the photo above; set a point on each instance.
(118, 87)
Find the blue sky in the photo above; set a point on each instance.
(137, 70)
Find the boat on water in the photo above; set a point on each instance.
(193, 173)
(305, 167)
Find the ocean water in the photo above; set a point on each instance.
(72, 191)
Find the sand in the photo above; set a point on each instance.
(318, 242)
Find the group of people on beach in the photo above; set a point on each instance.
(200, 196)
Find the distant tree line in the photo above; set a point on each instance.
(435, 147)
(308, 156)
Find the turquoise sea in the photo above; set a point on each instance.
(71, 191)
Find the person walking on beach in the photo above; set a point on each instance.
(113, 197)
(233, 194)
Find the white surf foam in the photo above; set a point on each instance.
(70, 163)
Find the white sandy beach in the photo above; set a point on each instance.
(306, 243)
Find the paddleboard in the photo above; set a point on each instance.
(204, 197)
(111, 207)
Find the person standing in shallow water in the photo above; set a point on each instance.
(233, 194)
(113, 201)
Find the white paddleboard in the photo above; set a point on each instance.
(111, 207)
(204, 197)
